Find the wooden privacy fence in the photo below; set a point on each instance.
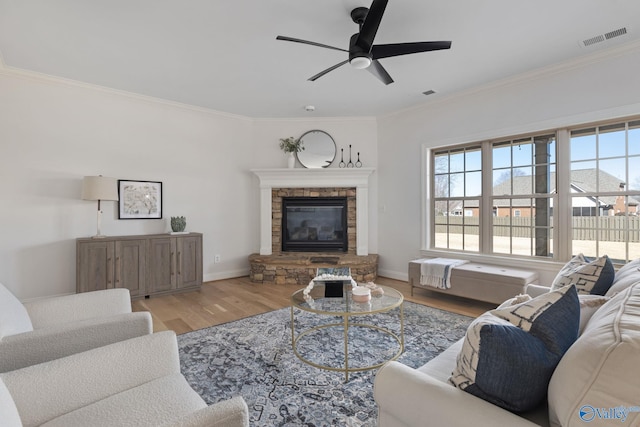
(604, 229)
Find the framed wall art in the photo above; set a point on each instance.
(139, 199)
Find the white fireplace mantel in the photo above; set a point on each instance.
(315, 178)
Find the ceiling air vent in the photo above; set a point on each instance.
(593, 40)
(429, 92)
(616, 33)
(602, 37)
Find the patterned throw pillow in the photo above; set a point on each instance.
(589, 304)
(591, 277)
(510, 353)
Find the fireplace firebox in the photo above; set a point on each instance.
(314, 224)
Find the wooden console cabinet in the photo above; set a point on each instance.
(147, 265)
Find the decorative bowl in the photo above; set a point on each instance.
(361, 294)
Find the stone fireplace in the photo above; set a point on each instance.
(296, 265)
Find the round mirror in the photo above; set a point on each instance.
(319, 149)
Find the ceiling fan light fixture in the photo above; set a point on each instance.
(360, 62)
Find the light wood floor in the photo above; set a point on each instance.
(232, 299)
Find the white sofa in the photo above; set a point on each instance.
(600, 370)
(51, 328)
(136, 382)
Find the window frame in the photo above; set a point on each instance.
(562, 205)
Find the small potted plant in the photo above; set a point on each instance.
(290, 146)
(178, 224)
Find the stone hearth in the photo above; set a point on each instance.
(300, 268)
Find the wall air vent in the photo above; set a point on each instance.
(603, 37)
(429, 92)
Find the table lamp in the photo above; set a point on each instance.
(99, 188)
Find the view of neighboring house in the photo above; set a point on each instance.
(582, 181)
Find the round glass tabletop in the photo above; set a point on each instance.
(318, 303)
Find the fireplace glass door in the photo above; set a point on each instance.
(314, 224)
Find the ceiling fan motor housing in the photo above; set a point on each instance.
(358, 57)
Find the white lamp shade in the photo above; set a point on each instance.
(99, 188)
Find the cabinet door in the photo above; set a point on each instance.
(189, 261)
(161, 265)
(131, 266)
(95, 267)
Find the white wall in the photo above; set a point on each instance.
(596, 88)
(52, 133)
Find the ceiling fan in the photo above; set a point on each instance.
(362, 52)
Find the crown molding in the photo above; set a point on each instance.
(61, 81)
(535, 74)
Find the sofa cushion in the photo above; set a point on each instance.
(590, 276)
(14, 318)
(509, 354)
(626, 276)
(9, 416)
(600, 370)
(441, 366)
(154, 403)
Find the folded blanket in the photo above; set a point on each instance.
(437, 272)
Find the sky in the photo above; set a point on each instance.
(606, 150)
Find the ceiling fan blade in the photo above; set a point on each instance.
(291, 39)
(322, 73)
(371, 24)
(378, 70)
(388, 50)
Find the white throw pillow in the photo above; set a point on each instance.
(589, 304)
(518, 299)
(626, 276)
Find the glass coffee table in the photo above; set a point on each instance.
(341, 314)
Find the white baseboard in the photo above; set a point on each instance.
(232, 274)
(404, 276)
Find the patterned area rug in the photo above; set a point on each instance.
(253, 358)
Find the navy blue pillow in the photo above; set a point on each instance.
(607, 275)
(509, 354)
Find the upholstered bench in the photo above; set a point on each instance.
(481, 282)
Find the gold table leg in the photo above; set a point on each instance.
(345, 324)
(346, 348)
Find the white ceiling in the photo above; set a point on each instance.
(224, 55)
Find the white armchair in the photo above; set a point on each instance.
(56, 327)
(136, 382)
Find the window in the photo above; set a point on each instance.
(605, 179)
(523, 179)
(510, 207)
(457, 188)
